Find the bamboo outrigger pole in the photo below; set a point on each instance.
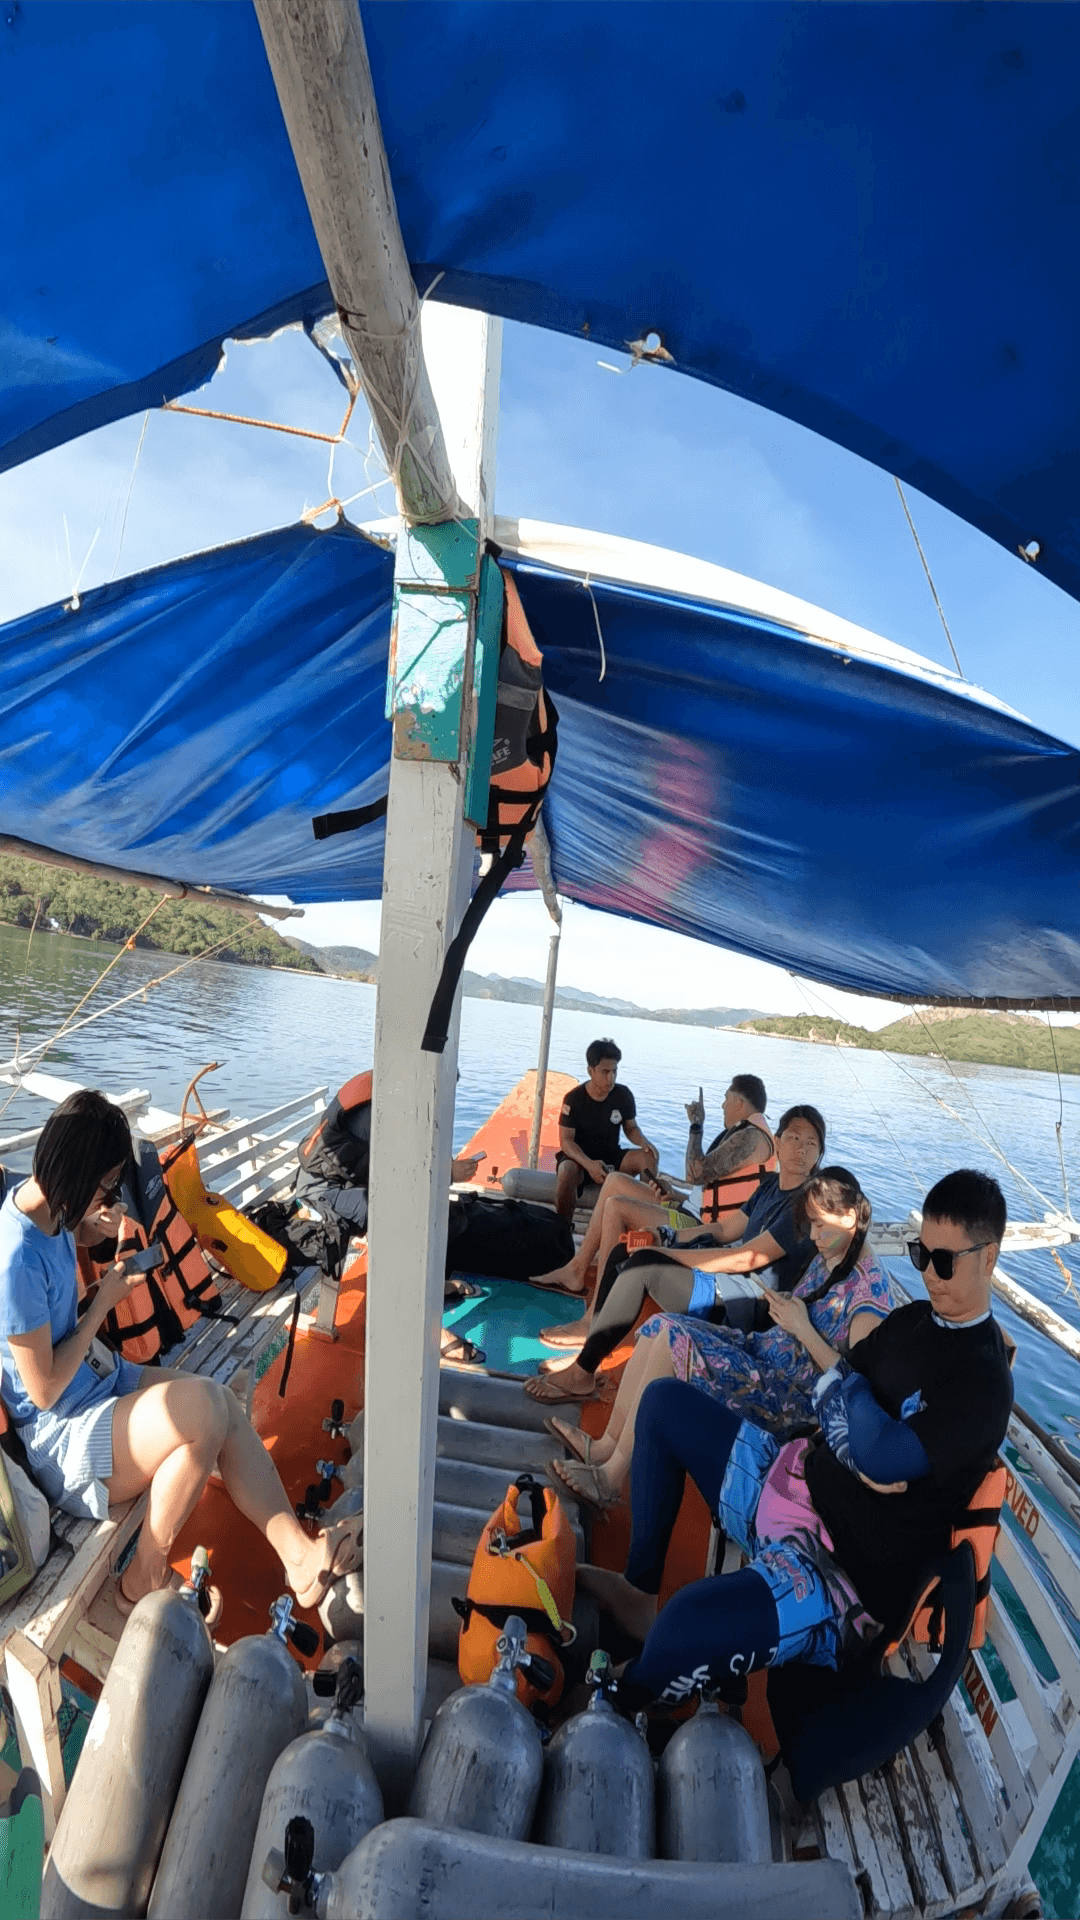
(441, 694)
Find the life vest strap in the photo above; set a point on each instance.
(536, 1619)
(347, 821)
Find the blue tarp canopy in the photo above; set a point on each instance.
(865, 217)
(864, 819)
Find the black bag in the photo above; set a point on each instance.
(505, 1239)
(310, 1238)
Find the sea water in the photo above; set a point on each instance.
(898, 1122)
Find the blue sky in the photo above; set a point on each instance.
(647, 454)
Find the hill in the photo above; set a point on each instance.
(346, 963)
(77, 903)
(983, 1039)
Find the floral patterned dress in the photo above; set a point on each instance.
(768, 1377)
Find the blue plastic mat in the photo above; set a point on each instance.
(505, 1318)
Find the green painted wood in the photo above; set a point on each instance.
(489, 625)
(435, 584)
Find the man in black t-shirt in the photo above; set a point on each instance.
(592, 1117)
(839, 1528)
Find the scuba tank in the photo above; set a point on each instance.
(257, 1704)
(112, 1824)
(482, 1763)
(326, 1777)
(599, 1794)
(712, 1801)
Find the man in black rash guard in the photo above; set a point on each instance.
(838, 1528)
(592, 1117)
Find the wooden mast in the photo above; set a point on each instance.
(445, 488)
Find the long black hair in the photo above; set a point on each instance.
(835, 1190)
(83, 1139)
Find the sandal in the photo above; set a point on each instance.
(555, 1286)
(467, 1353)
(342, 1554)
(545, 1388)
(583, 1484)
(572, 1438)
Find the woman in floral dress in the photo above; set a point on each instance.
(768, 1377)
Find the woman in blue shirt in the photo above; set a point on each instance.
(97, 1429)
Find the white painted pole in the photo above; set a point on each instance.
(426, 882)
(545, 1046)
(319, 61)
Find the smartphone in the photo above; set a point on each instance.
(144, 1260)
(478, 1156)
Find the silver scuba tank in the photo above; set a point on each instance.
(712, 1799)
(256, 1705)
(599, 1792)
(112, 1825)
(482, 1763)
(327, 1778)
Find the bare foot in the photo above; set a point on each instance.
(334, 1552)
(634, 1610)
(567, 1333)
(568, 1383)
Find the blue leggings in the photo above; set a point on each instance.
(715, 1628)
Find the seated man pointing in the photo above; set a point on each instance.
(837, 1528)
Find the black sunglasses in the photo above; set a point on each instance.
(108, 1196)
(943, 1259)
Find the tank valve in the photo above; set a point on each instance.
(290, 1872)
(335, 1424)
(304, 1638)
(329, 1473)
(309, 1507)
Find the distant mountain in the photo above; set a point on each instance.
(945, 1033)
(356, 963)
(348, 963)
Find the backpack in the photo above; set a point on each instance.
(505, 1239)
(527, 1568)
(17, 1567)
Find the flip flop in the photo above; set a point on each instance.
(544, 1388)
(468, 1353)
(566, 1334)
(342, 1554)
(587, 1489)
(578, 1443)
(555, 1286)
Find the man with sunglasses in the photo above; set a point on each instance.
(837, 1528)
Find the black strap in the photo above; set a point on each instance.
(529, 1537)
(290, 1347)
(980, 1517)
(325, 824)
(438, 1020)
(536, 1620)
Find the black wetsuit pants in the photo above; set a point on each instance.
(622, 1292)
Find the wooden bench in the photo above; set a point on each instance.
(67, 1610)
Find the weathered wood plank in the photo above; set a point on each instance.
(992, 1827)
(879, 1893)
(919, 1839)
(1038, 1699)
(881, 1820)
(1046, 1620)
(835, 1839)
(51, 1625)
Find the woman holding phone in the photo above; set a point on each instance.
(97, 1429)
(767, 1377)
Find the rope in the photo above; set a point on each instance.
(587, 584)
(930, 578)
(271, 426)
(1058, 1122)
(127, 502)
(844, 1052)
(991, 1141)
(19, 999)
(65, 1032)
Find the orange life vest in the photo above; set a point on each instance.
(523, 754)
(164, 1303)
(736, 1189)
(980, 1525)
(527, 1569)
(242, 1248)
